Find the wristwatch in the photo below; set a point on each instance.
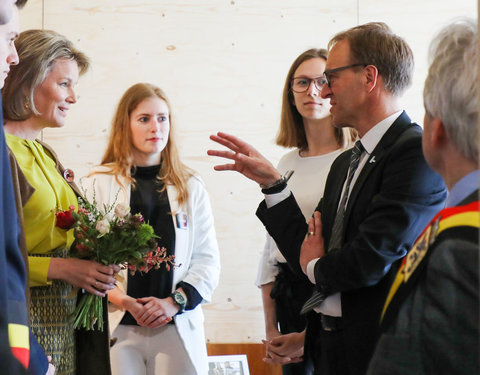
(180, 300)
(277, 186)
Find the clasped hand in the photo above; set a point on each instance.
(152, 312)
(285, 349)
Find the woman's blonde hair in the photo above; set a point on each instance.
(38, 50)
(120, 149)
(292, 130)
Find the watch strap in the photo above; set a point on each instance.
(277, 186)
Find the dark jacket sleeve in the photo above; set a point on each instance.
(286, 224)
(13, 308)
(38, 360)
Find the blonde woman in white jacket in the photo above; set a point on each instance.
(157, 318)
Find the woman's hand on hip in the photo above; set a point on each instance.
(92, 276)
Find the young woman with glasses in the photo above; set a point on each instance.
(305, 125)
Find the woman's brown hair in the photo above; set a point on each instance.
(292, 131)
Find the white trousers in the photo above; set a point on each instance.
(147, 351)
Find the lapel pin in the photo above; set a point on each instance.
(372, 159)
(182, 221)
(68, 175)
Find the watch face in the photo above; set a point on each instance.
(179, 298)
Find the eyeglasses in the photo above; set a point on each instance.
(302, 84)
(326, 74)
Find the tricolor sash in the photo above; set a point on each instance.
(466, 216)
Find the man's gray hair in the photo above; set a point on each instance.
(451, 87)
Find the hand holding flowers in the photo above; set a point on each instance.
(89, 275)
(108, 236)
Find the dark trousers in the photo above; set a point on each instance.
(290, 292)
(326, 348)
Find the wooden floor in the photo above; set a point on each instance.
(254, 352)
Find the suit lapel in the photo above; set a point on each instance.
(336, 180)
(340, 177)
(375, 158)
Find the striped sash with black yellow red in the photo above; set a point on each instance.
(19, 337)
(18, 331)
(466, 216)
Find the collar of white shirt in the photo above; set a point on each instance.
(371, 138)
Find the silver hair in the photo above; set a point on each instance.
(451, 87)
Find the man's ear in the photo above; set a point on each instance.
(371, 75)
(438, 132)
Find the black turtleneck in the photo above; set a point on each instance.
(148, 199)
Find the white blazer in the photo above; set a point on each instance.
(196, 249)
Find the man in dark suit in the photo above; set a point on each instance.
(12, 266)
(18, 348)
(377, 199)
(430, 322)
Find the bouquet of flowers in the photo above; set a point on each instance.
(109, 236)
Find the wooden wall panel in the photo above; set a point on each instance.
(222, 63)
(31, 16)
(417, 22)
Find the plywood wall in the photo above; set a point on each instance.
(222, 63)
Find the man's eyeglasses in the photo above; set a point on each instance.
(327, 73)
(302, 84)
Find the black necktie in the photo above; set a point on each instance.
(337, 230)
